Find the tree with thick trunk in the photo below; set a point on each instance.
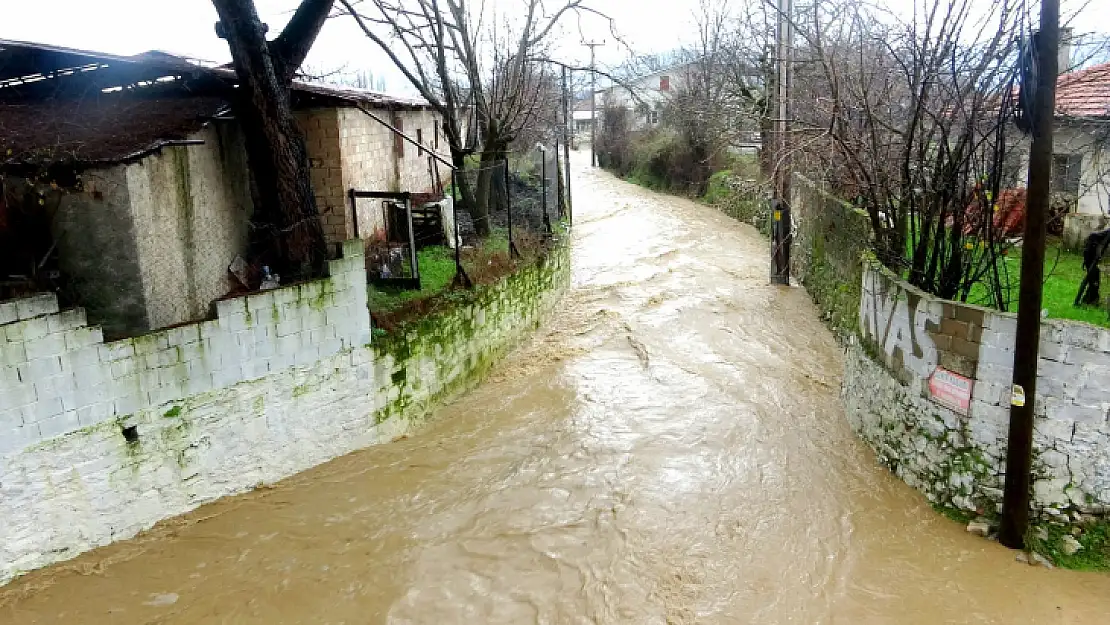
(286, 224)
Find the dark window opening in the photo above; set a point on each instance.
(435, 137)
(398, 140)
(1067, 171)
(420, 141)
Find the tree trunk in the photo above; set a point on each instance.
(462, 183)
(480, 211)
(287, 230)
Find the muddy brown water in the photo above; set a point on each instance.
(670, 448)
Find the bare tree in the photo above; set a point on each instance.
(286, 221)
(909, 118)
(480, 68)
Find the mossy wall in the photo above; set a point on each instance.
(831, 239)
(431, 359)
(281, 381)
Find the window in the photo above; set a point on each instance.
(653, 117)
(435, 135)
(398, 141)
(1067, 169)
(420, 141)
(664, 83)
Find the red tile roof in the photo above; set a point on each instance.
(1084, 93)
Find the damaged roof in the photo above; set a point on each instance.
(102, 129)
(61, 105)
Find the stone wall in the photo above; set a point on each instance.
(829, 243)
(927, 385)
(99, 441)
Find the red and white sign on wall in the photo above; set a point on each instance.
(951, 390)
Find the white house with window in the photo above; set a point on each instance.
(1081, 150)
(645, 95)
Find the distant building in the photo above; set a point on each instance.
(645, 95)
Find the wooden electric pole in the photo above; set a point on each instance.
(593, 100)
(780, 203)
(1015, 502)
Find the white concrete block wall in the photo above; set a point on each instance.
(959, 459)
(279, 382)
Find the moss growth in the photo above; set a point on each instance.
(172, 412)
(1094, 539)
(962, 517)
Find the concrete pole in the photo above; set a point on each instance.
(593, 101)
(567, 121)
(780, 205)
(1019, 452)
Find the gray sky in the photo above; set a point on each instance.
(186, 27)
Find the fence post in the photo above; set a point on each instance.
(558, 183)
(543, 188)
(460, 273)
(509, 209)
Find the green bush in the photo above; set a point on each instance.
(717, 189)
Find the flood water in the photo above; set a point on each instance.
(670, 448)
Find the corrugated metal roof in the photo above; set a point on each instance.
(61, 105)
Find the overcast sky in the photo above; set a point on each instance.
(186, 27)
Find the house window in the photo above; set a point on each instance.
(664, 83)
(398, 141)
(435, 134)
(420, 141)
(653, 117)
(1067, 169)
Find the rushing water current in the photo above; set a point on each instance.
(669, 448)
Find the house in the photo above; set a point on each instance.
(126, 186)
(1081, 150)
(646, 94)
(583, 116)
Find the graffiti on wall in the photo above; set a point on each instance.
(888, 321)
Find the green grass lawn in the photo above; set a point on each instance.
(437, 269)
(1063, 271)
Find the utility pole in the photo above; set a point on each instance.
(566, 144)
(1015, 502)
(780, 203)
(593, 100)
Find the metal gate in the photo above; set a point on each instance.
(392, 261)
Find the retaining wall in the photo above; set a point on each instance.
(99, 441)
(927, 385)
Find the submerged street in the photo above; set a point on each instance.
(669, 448)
